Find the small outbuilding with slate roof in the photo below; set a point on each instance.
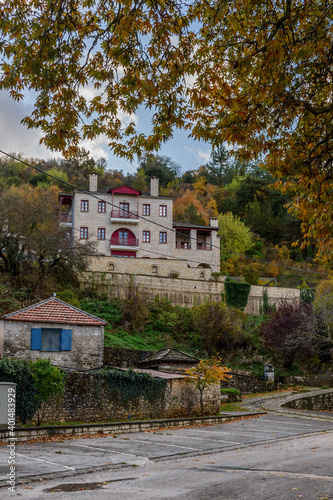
(68, 336)
(169, 360)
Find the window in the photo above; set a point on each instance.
(154, 269)
(163, 210)
(163, 237)
(146, 236)
(111, 267)
(51, 339)
(101, 207)
(101, 233)
(123, 237)
(146, 210)
(83, 233)
(124, 209)
(84, 206)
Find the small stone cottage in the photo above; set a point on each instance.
(168, 360)
(68, 336)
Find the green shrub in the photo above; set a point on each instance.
(13, 370)
(229, 390)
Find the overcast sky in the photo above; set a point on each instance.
(16, 138)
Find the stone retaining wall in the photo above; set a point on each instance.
(123, 358)
(182, 292)
(318, 402)
(85, 401)
(247, 384)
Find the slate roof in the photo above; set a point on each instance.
(170, 355)
(188, 225)
(54, 311)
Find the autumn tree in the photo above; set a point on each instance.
(31, 237)
(290, 332)
(236, 237)
(219, 327)
(256, 75)
(208, 372)
(323, 307)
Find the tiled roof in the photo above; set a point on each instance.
(54, 311)
(169, 355)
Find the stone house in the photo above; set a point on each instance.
(128, 224)
(55, 330)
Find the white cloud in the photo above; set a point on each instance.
(202, 156)
(15, 137)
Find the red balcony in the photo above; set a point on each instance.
(124, 242)
(203, 246)
(124, 214)
(183, 245)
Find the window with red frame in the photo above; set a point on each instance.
(84, 206)
(146, 236)
(83, 233)
(101, 233)
(146, 210)
(101, 207)
(163, 210)
(163, 237)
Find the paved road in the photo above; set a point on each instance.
(300, 467)
(70, 457)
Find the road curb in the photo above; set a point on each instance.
(30, 433)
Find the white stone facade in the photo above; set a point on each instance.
(125, 222)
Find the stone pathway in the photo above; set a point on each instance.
(274, 402)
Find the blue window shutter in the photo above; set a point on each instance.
(36, 339)
(66, 340)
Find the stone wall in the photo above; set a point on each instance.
(320, 380)
(149, 266)
(123, 358)
(85, 401)
(319, 402)
(246, 383)
(184, 292)
(86, 352)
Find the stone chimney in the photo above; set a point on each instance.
(214, 222)
(154, 186)
(93, 182)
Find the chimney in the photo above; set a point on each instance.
(154, 182)
(93, 182)
(214, 222)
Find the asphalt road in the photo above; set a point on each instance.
(274, 450)
(300, 467)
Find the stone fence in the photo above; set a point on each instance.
(246, 383)
(86, 399)
(317, 402)
(180, 291)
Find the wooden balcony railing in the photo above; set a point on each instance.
(124, 242)
(183, 245)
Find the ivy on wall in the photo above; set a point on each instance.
(236, 293)
(127, 387)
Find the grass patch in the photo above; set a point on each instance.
(232, 407)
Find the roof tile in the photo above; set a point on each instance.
(54, 311)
